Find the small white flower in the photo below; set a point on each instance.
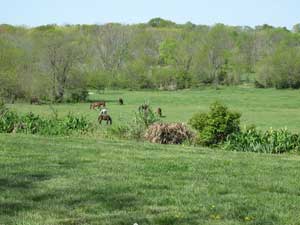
(135, 224)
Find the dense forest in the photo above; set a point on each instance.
(55, 62)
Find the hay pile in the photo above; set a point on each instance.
(168, 133)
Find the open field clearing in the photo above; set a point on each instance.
(263, 107)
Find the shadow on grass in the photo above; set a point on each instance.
(15, 186)
(111, 198)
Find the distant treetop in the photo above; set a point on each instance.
(159, 22)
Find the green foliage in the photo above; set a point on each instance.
(135, 128)
(159, 22)
(31, 123)
(296, 28)
(167, 52)
(8, 119)
(78, 95)
(145, 117)
(281, 69)
(47, 61)
(269, 141)
(215, 126)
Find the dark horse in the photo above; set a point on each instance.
(97, 105)
(159, 112)
(34, 100)
(121, 102)
(105, 117)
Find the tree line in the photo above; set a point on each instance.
(55, 62)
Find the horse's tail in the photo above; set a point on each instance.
(91, 105)
(110, 119)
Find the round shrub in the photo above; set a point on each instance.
(216, 125)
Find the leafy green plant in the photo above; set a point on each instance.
(269, 141)
(8, 119)
(77, 95)
(214, 127)
(136, 128)
(31, 123)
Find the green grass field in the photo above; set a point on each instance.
(92, 180)
(69, 181)
(263, 107)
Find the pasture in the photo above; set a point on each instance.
(68, 181)
(92, 180)
(263, 107)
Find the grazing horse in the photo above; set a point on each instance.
(34, 100)
(121, 102)
(105, 117)
(159, 112)
(97, 105)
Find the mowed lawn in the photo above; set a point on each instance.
(67, 181)
(263, 107)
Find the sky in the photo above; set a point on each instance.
(283, 13)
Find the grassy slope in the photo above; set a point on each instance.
(71, 181)
(263, 107)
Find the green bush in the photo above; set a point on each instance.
(270, 141)
(77, 95)
(214, 127)
(33, 124)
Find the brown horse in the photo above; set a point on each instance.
(159, 112)
(34, 100)
(121, 102)
(105, 117)
(97, 105)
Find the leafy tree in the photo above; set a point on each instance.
(111, 42)
(296, 28)
(159, 22)
(50, 60)
(282, 69)
(62, 52)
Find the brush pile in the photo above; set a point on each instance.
(168, 133)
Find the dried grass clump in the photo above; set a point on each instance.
(168, 133)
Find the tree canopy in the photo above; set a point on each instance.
(50, 60)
